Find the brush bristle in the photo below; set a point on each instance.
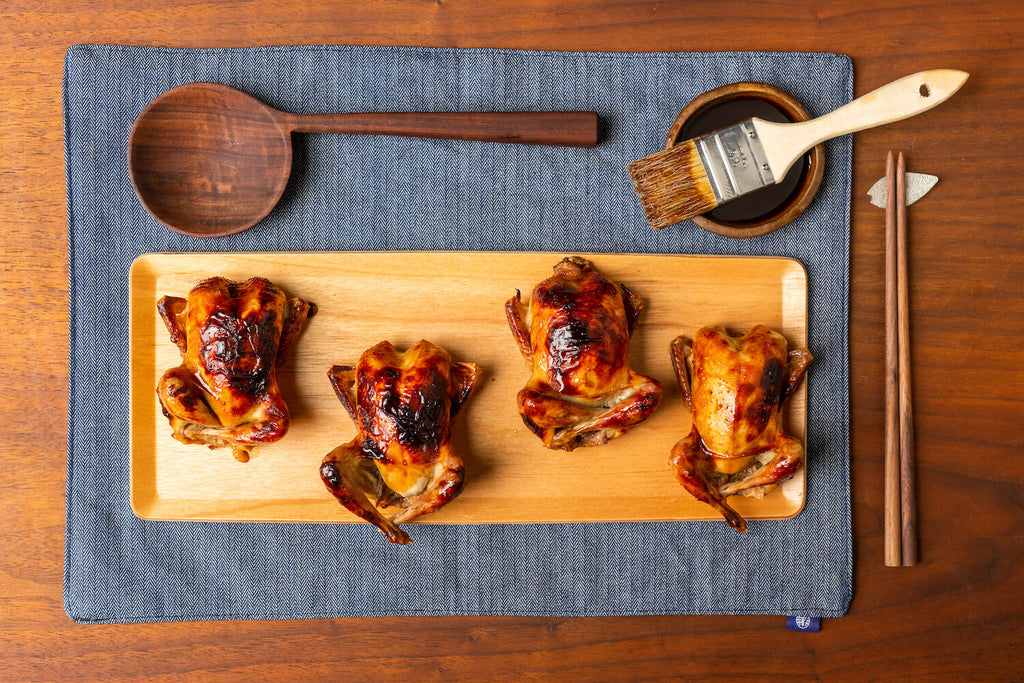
(673, 185)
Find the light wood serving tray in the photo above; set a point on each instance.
(456, 300)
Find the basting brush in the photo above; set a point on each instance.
(696, 176)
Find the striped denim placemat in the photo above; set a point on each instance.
(364, 193)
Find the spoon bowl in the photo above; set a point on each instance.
(208, 160)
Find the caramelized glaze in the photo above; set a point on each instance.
(402, 456)
(232, 337)
(575, 334)
(735, 388)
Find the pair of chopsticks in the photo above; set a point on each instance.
(900, 508)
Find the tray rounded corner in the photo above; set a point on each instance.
(796, 264)
(142, 507)
(796, 511)
(142, 265)
(800, 503)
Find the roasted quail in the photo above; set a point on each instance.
(232, 337)
(735, 388)
(402, 457)
(575, 333)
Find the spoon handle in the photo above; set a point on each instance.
(559, 128)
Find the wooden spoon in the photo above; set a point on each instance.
(208, 160)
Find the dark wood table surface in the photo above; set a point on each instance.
(955, 616)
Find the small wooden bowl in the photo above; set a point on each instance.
(726, 106)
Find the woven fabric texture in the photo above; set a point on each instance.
(377, 193)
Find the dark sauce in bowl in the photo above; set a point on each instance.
(764, 204)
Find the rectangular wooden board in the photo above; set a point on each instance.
(455, 300)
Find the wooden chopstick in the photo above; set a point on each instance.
(893, 532)
(908, 513)
(900, 504)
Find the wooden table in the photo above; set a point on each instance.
(956, 616)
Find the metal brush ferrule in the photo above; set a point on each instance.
(735, 161)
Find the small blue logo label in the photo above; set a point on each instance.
(811, 624)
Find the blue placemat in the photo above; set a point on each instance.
(376, 193)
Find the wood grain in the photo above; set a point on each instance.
(908, 504)
(510, 476)
(955, 616)
(893, 549)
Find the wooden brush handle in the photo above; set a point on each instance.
(560, 128)
(784, 143)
